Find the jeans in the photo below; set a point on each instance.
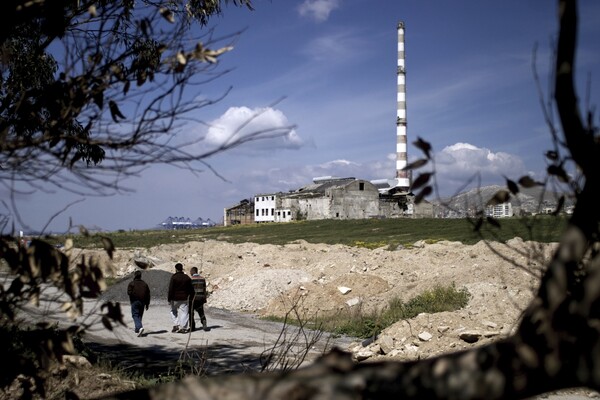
(137, 312)
(180, 313)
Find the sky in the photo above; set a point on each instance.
(327, 68)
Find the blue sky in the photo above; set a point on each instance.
(470, 93)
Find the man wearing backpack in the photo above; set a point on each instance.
(198, 300)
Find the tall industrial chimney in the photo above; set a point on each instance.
(402, 180)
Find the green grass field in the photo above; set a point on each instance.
(371, 233)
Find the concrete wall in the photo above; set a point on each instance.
(357, 200)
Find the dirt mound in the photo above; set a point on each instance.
(268, 279)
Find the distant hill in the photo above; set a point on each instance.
(528, 201)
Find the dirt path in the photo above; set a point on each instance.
(236, 342)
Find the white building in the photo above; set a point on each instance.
(503, 210)
(264, 207)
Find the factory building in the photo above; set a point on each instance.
(350, 198)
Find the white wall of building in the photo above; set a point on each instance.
(264, 207)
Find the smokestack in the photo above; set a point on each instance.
(402, 180)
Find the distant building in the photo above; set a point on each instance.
(503, 210)
(239, 214)
(337, 198)
(174, 223)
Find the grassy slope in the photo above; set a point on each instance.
(369, 233)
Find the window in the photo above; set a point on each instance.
(257, 212)
(337, 215)
(272, 211)
(289, 213)
(361, 186)
(272, 197)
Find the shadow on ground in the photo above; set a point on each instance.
(159, 361)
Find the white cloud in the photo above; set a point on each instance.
(262, 129)
(338, 47)
(318, 10)
(460, 162)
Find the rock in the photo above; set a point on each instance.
(386, 343)
(363, 354)
(425, 336)
(490, 324)
(353, 302)
(344, 289)
(375, 348)
(143, 262)
(411, 348)
(443, 328)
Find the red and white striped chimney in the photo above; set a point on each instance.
(402, 179)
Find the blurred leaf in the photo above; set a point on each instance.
(75, 158)
(478, 224)
(114, 111)
(424, 146)
(113, 312)
(67, 343)
(167, 14)
(421, 180)
(493, 221)
(559, 206)
(415, 164)
(527, 182)
(98, 98)
(109, 247)
(16, 286)
(425, 192)
(512, 186)
(181, 58)
(501, 196)
(106, 323)
(559, 172)
(552, 155)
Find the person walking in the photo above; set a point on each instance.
(139, 297)
(180, 292)
(198, 300)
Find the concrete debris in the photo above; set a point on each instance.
(344, 289)
(353, 302)
(425, 336)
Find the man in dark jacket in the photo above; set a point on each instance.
(180, 292)
(198, 300)
(139, 297)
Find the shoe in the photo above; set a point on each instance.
(205, 327)
(175, 328)
(140, 332)
(182, 330)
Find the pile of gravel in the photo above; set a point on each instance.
(157, 280)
